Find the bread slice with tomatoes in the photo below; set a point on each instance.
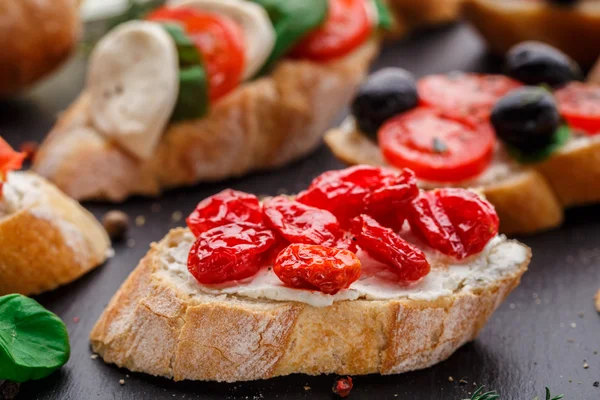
(506, 23)
(175, 112)
(247, 293)
(46, 238)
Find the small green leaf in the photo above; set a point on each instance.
(384, 16)
(560, 138)
(33, 341)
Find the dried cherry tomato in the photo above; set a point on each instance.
(299, 223)
(229, 252)
(361, 189)
(342, 386)
(314, 267)
(383, 244)
(456, 222)
(224, 208)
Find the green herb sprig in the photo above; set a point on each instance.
(493, 395)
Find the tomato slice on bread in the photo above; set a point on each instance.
(219, 39)
(347, 26)
(435, 146)
(464, 95)
(579, 104)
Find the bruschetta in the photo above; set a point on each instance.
(532, 149)
(567, 25)
(350, 277)
(204, 90)
(46, 238)
(410, 14)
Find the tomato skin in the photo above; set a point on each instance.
(347, 26)
(464, 96)
(313, 267)
(219, 39)
(10, 160)
(463, 150)
(579, 104)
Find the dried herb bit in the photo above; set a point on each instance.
(342, 386)
(550, 397)
(479, 395)
(116, 224)
(439, 146)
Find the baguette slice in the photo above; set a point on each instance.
(46, 238)
(160, 323)
(504, 23)
(263, 124)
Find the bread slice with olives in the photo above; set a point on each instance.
(203, 306)
(46, 238)
(506, 23)
(145, 129)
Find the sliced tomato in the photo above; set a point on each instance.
(219, 39)
(10, 160)
(347, 26)
(436, 147)
(464, 96)
(579, 104)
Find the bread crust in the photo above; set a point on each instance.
(506, 23)
(261, 125)
(411, 14)
(49, 242)
(35, 37)
(529, 200)
(150, 326)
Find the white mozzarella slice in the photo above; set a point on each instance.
(254, 20)
(133, 79)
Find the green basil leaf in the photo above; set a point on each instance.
(560, 137)
(384, 16)
(33, 341)
(292, 21)
(192, 99)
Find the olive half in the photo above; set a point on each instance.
(535, 63)
(526, 118)
(385, 94)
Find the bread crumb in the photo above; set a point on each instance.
(573, 325)
(450, 379)
(121, 382)
(94, 356)
(598, 301)
(463, 382)
(176, 216)
(307, 388)
(585, 365)
(140, 220)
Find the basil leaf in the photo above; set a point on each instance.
(192, 100)
(292, 21)
(560, 137)
(33, 341)
(384, 16)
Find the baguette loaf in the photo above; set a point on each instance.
(158, 323)
(263, 124)
(506, 23)
(46, 238)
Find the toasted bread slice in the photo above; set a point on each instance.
(263, 124)
(508, 22)
(46, 238)
(527, 199)
(411, 14)
(161, 323)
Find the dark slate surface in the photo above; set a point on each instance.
(541, 336)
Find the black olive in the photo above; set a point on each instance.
(385, 94)
(526, 118)
(534, 63)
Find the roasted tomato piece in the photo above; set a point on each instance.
(224, 208)
(464, 96)
(361, 189)
(229, 252)
(579, 104)
(384, 245)
(435, 147)
(457, 222)
(347, 26)
(299, 223)
(10, 160)
(313, 267)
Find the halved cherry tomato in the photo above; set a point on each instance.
(464, 96)
(436, 147)
(219, 39)
(579, 104)
(347, 26)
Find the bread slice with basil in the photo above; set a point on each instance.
(506, 23)
(160, 322)
(46, 238)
